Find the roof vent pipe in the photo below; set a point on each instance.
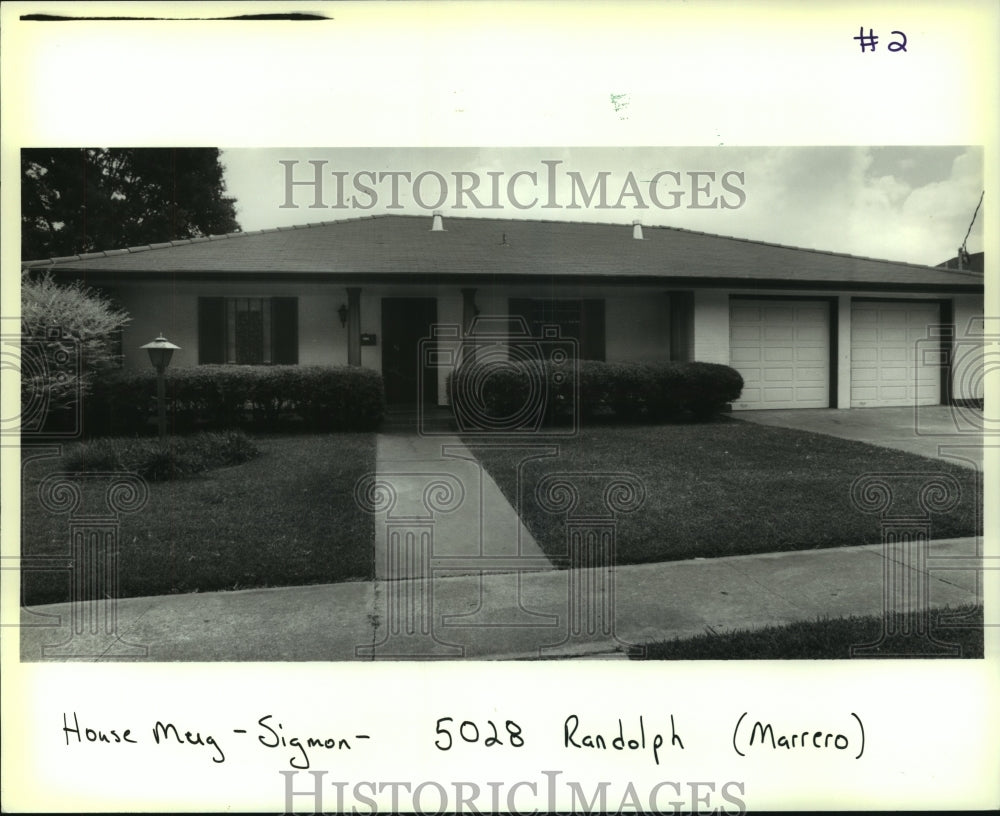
(637, 230)
(437, 224)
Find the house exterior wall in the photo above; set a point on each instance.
(156, 308)
(172, 308)
(967, 371)
(636, 321)
(637, 325)
(711, 326)
(843, 351)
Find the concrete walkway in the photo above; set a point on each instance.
(652, 602)
(437, 484)
(949, 433)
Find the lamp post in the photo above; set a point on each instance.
(160, 352)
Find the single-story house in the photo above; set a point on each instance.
(806, 328)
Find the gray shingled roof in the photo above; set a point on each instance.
(404, 246)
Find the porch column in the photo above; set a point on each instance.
(354, 325)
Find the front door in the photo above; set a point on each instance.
(405, 322)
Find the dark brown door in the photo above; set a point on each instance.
(405, 322)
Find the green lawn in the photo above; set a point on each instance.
(723, 488)
(816, 640)
(287, 517)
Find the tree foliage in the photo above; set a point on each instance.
(68, 334)
(77, 200)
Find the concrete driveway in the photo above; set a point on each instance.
(952, 434)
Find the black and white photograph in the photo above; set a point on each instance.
(446, 438)
(487, 412)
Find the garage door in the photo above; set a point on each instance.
(885, 369)
(782, 349)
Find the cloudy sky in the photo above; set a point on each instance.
(900, 203)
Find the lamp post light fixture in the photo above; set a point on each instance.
(160, 352)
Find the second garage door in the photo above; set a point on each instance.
(886, 368)
(782, 349)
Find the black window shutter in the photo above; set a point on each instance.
(285, 330)
(681, 326)
(211, 330)
(592, 330)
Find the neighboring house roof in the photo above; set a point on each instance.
(398, 247)
(973, 262)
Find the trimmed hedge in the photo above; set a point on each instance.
(314, 398)
(621, 392)
(180, 458)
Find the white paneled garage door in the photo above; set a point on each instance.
(782, 349)
(885, 367)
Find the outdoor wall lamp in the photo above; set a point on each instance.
(342, 311)
(160, 351)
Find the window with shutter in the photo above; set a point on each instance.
(582, 320)
(248, 331)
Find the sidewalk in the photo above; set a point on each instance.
(654, 602)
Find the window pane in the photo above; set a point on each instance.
(249, 338)
(562, 313)
(231, 330)
(257, 331)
